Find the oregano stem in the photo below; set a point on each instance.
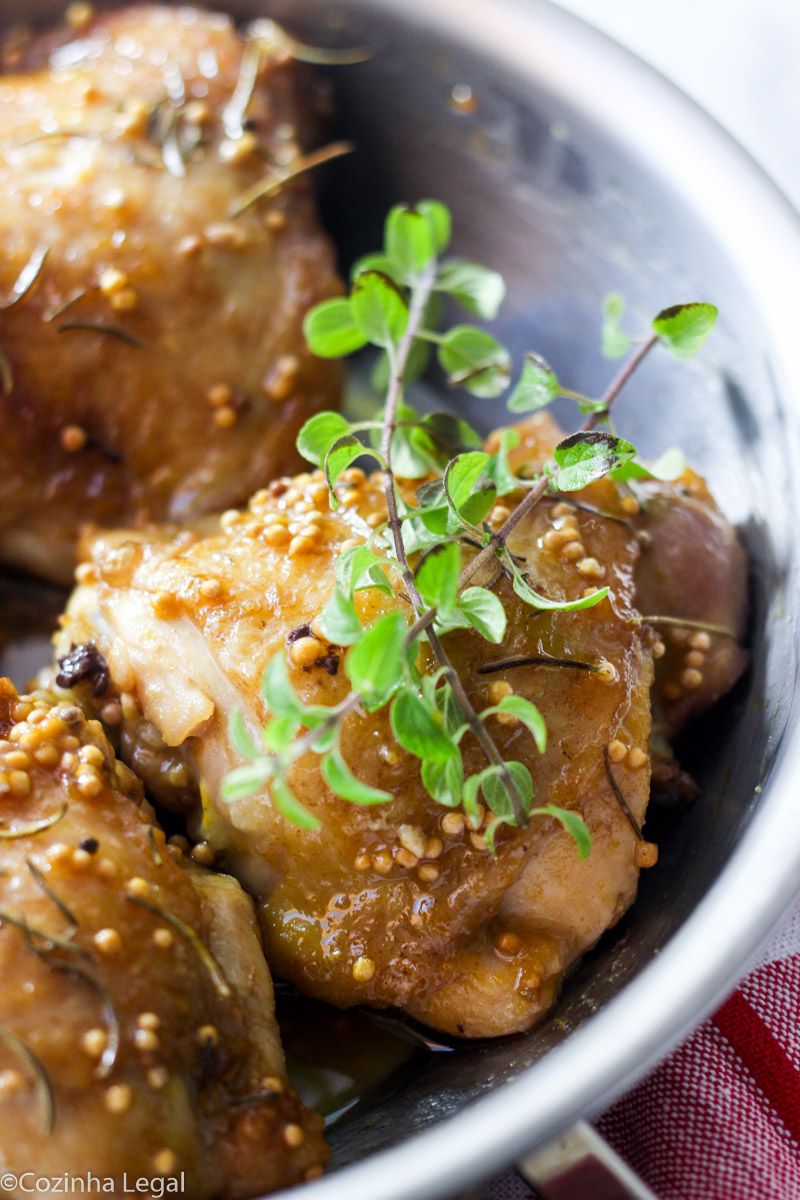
(398, 361)
(497, 539)
(533, 497)
(338, 714)
(422, 623)
(619, 381)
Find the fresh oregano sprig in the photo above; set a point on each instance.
(430, 549)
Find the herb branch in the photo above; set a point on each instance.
(437, 539)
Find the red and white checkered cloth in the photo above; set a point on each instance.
(720, 1118)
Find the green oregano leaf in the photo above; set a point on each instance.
(341, 453)
(685, 328)
(379, 308)
(417, 536)
(475, 360)
(451, 435)
(318, 435)
(584, 457)
(484, 612)
(468, 490)
(287, 803)
(530, 596)
(325, 739)
(437, 576)
(372, 665)
(527, 713)
(279, 732)
(243, 782)
(438, 217)
(536, 387)
(496, 792)
(410, 241)
(470, 793)
(444, 779)
(339, 620)
(359, 568)
(278, 692)
(331, 331)
(498, 469)
(614, 343)
(419, 728)
(344, 784)
(240, 737)
(573, 823)
(452, 713)
(414, 453)
(478, 289)
(372, 262)
(667, 468)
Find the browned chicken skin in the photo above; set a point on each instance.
(402, 904)
(134, 989)
(124, 148)
(693, 567)
(397, 905)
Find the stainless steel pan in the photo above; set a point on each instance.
(580, 171)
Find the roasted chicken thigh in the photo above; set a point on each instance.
(402, 904)
(153, 365)
(137, 1029)
(697, 571)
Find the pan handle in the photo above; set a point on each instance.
(580, 1165)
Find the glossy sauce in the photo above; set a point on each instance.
(336, 1059)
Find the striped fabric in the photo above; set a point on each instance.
(720, 1118)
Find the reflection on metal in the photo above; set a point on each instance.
(580, 1165)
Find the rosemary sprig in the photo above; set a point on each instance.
(537, 660)
(8, 833)
(53, 313)
(44, 1086)
(115, 331)
(582, 506)
(167, 127)
(63, 908)
(154, 851)
(270, 36)
(26, 278)
(687, 623)
(276, 180)
(623, 803)
(234, 113)
(110, 1053)
(193, 938)
(320, 56)
(50, 939)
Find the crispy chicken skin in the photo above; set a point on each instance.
(393, 905)
(135, 213)
(197, 1084)
(396, 905)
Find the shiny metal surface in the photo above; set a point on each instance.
(582, 171)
